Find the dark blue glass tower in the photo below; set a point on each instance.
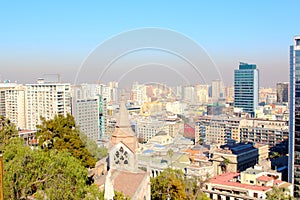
(246, 87)
(294, 102)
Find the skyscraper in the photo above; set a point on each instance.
(282, 90)
(246, 87)
(294, 138)
(217, 89)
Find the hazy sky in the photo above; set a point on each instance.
(44, 37)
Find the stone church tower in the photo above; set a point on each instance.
(123, 144)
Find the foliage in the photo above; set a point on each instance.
(274, 155)
(202, 196)
(97, 152)
(94, 193)
(42, 174)
(7, 130)
(170, 153)
(62, 134)
(279, 193)
(169, 183)
(173, 184)
(120, 196)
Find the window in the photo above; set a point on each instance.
(121, 157)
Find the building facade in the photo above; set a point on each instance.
(217, 90)
(294, 144)
(217, 130)
(254, 183)
(270, 132)
(282, 90)
(46, 100)
(12, 103)
(246, 87)
(87, 117)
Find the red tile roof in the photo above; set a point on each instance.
(228, 180)
(264, 178)
(191, 151)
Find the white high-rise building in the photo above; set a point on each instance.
(189, 94)
(12, 103)
(217, 89)
(202, 93)
(139, 93)
(46, 100)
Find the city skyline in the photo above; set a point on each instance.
(44, 38)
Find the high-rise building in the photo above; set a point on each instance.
(229, 94)
(139, 93)
(282, 90)
(12, 103)
(102, 107)
(87, 117)
(89, 109)
(46, 100)
(202, 93)
(246, 87)
(217, 89)
(189, 94)
(294, 137)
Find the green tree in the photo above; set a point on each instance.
(52, 174)
(120, 196)
(168, 184)
(97, 152)
(62, 134)
(7, 130)
(279, 193)
(224, 165)
(94, 193)
(200, 195)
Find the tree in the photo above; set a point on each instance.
(170, 153)
(224, 165)
(120, 196)
(43, 174)
(97, 152)
(7, 131)
(200, 185)
(62, 134)
(168, 184)
(279, 193)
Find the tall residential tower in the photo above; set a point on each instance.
(294, 138)
(46, 100)
(246, 87)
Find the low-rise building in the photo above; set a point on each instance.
(237, 157)
(218, 129)
(254, 183)
(270, 132)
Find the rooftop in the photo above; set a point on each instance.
(264, 178)
(128, 182)
(229, 179)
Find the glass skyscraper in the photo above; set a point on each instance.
(294, 138)
(246, 87)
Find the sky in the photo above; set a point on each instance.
(49, 37)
